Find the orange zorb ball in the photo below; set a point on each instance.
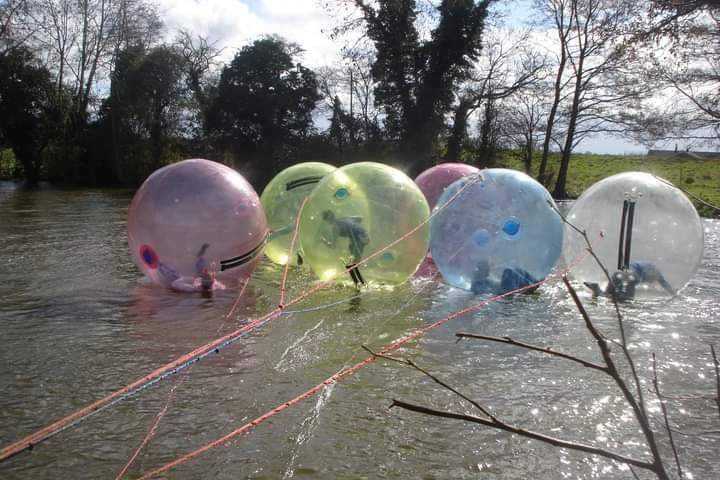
(196, 225)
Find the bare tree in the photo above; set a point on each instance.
(594, 52)
(523, 118)
(558, 14)
(506, 66)
(685, 72)
(14, 31)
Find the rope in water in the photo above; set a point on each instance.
(345, 372)
(156, 422)
(152, 429)
(201, 352)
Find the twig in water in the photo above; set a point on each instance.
(663, 407)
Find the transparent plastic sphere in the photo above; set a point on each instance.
(355, 211)
(663, 230)
(196, 222)
(281, 200)
(433, 181)
(497, 235)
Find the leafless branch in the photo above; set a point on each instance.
(663, 407)
(546, 350)
(580, 447)
(433, 378)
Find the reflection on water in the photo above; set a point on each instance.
(78, 323)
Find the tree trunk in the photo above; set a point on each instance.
(559, 192)
(551, 117)
(528, 154)
(31, 167)
(458, 132)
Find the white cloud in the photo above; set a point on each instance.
(235, 23)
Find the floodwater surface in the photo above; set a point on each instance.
(77, 322)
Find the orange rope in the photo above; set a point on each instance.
(156, 421)
(339, 376)
(290, 252)
(181, 362)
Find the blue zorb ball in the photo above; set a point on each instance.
(498, 234)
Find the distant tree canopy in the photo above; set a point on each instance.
(264, 104)
(27, 120)
(417, 78)
(143, 115)
(91, 93)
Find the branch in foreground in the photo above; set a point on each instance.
(546, 350)
(637, 404)
(432, 377)
(557, 442)
(663, 406)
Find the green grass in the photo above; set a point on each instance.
(700, 178)
(8, 168)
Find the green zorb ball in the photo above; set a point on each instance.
(281, 200)
(354, 212)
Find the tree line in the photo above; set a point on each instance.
(92, 93)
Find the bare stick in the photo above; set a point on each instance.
(546, 350)
(434, 378)
(636, 404)
(663, 407)
(621, 327)
(717, 376)
(527, 434)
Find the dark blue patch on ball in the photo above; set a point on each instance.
(149, 256)
(511, 226)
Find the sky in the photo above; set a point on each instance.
(232, 24)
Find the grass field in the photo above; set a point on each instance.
(698, 177)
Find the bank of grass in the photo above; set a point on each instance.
(700, 177)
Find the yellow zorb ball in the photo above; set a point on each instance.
(354, 212)
(281, 200)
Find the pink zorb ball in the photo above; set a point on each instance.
(196, 224)
(432, 183)
(435, 180)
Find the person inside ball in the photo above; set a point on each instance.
(358, 238)
(624, 282)
(513, 278)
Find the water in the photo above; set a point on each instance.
(77, 324)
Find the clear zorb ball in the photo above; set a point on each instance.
(356, 210)
(196, 224)
(281, 200)
(499, 234)
(644, 230)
